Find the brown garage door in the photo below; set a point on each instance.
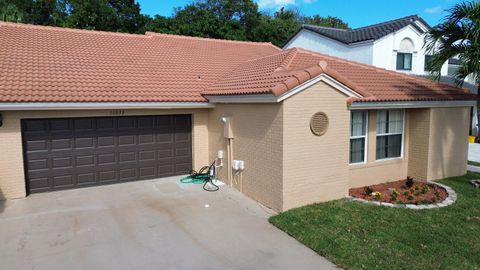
(76, 152)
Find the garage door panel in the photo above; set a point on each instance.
(42, 173)
(183, 168)
(83, 124)
(126, 157)
(106, 141)
(105, 123)
(37, 145)
(40, 183)
(126, 140)
(165, 170)
(165, 138)
(107, 176)
(107, 158)
(147, 172)
(146, 155)
(67, 153)
(62, 162)
(127, 123)
(87, 142)
(56, 125)
(38, 164)
(63, 180)
(86, 178)
(146, 139)
(61, 144)
(85, 160)
(128, 174)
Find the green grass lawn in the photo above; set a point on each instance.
(359, 236)
(474, 163)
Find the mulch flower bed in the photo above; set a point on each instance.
(405, 191)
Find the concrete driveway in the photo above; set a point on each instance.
(157, 224)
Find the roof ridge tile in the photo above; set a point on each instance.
(155, 34)
(67, 29)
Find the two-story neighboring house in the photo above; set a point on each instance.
(394, 45)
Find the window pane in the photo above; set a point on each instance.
(428, 58)
(407, 62)
(400, 61)
(381, 122)
(357, 150)
(389, 146)
(359, 121)
(395, 121)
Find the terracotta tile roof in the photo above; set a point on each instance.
(49, 64)
(280, 72)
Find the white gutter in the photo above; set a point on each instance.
(411, 104)
(12, 106)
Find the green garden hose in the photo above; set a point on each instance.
(204, 176)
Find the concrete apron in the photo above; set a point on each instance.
(158, 224)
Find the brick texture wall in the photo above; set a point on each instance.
(448, 147)
(419, 143)
(315, 167)
(257, 131)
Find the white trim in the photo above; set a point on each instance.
(410, 104)
(402, 146)
(11, 106)
(270, 98)
(365, 161)
(324, 78)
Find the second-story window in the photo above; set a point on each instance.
(404, 61)
(428, 58)
(405, 54)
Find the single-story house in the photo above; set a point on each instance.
(84, 108)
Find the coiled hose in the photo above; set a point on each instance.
(203, 176)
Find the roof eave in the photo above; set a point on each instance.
(411, 104)
(34, 106)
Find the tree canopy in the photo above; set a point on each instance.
(457, 36)
(226, 19)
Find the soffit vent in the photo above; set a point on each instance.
(319, 123)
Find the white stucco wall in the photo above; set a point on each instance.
(380, 53)
(311, 41)
(385, 51)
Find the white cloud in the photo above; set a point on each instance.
(275, 3)
(309, 1)
(434, 10)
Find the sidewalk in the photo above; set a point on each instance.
(474, 152)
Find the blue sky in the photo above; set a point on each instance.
(355, 12)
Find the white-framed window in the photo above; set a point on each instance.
(358, 136)
(390, 125)
(405, 54)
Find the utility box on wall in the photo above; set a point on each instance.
(227, 128)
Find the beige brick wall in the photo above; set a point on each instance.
(375, 172)
(12, 179)
(448, 147)
(257, 130)
(419, 143)
(315, 167)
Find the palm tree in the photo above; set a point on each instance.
(457, 36)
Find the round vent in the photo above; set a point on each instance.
(319, 123)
